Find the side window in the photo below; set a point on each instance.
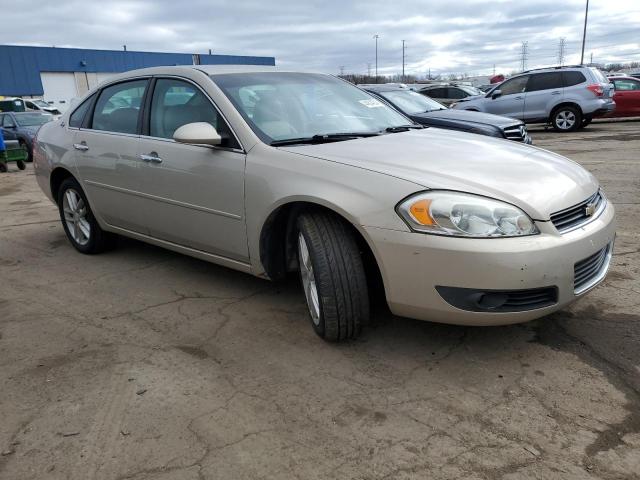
(455, 93)
(544, 81)
(515, 85)
(7, 121)
(176, 103)
(75, 120)
(118, 106)
(625, 85)
(573, 78)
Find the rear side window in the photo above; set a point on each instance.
(573, 78)
(456, 93)
(544, 81)
(435, 93)
(76, 118)
(118, 107)
(176, 103)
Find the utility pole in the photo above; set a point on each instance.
(591, 60)
(368, 69)
(376, 36)
(494, 69)
(523, 55)
(403, 60)
(584, 31)
(429, 73)
(209, 51)
(124, 47)
(561, 47)
(341, 70)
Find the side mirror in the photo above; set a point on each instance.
(496, 93)
(201, 133)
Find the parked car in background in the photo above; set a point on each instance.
(451, 93)
(270, 171)
(626, 96)
(41, 106)
(23, 126)
(567, 97)
(426, 111)
(12, 105)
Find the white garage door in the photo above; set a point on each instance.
(59, 88)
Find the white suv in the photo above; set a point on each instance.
(566, 97)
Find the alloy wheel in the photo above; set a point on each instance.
(565, 119)
(75, 216)
(308, 280)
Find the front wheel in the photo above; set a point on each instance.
(332, 275)
(81, 227)
(21, 165)
(566, 119)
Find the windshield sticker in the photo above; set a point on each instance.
(371, 103)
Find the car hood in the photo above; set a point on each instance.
(465, 116)
(538, 181)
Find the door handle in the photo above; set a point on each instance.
(518, 98)
(151, 158)
(555, 93)
(82, 146)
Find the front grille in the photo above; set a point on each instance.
(517, 133)
(474, 300)
(575, 216)
(588, 272)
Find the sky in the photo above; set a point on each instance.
(465, 36)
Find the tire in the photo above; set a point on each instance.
(29, 150)
(585, 121)
(331, 264)
(88, 237)
(3, 167)
(566, 119)
(21, 165)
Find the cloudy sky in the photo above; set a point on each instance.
(464, 36)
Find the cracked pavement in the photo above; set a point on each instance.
(145, 364)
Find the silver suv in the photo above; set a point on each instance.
(566, 97)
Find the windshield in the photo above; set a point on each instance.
(41, 103)
(411, 102)
(283, 106)
(32, 119)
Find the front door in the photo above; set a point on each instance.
(107, 155)
(511, 101)
(543, 90)
(194, 194)
(627, 96)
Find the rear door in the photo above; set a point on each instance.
(627, 96)
(511, 101)
(107, 154)
(194, 193)
(543, 90)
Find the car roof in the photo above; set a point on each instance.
(384, 88)
(621, 77)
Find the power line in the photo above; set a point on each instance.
(561, 47)
(523, 55)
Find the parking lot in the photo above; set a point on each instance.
(145, 364)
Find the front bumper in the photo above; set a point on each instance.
(413, 265)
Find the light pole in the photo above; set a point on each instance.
(376, 36)
(584, 32)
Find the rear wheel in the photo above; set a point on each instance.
(566, 119)
(3, 167)
(332, 275)
(78, 221)
(21, 165)
(586, 121)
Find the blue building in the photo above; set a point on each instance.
(60, 74)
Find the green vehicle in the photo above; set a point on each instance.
(12, 151)
(12, 105)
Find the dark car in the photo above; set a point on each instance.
(23, 126)
(427, 111)
(448, 94)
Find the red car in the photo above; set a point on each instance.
(627, 97)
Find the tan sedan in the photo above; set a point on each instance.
(270, 172)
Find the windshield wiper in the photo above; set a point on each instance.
(403, 128)
(324, 138)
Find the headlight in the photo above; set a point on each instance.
(464, 215)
